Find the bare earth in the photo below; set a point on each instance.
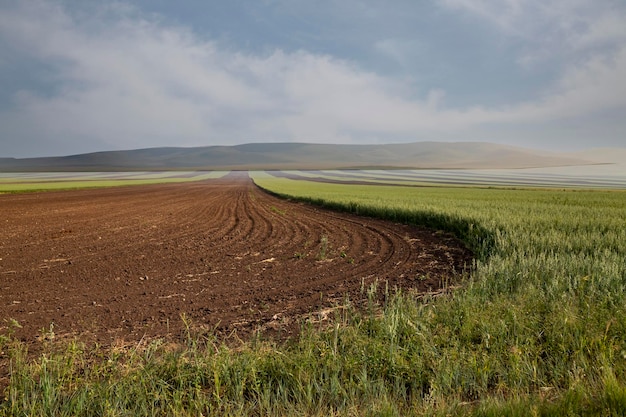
(122, 264)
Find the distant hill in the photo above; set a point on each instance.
(265, 156)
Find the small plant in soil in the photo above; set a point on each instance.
(323, 252)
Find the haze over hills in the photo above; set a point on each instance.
(601, 155)
(266, 156)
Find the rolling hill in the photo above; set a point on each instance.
(265, 156)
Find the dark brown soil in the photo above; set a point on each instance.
(126, 263)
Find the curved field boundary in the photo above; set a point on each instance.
(127, 262)
(480, 239)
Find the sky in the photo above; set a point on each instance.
(81, 76)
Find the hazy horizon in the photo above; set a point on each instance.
(591, 154)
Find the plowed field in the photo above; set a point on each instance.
(126, 263)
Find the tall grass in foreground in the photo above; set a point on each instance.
(539, 328)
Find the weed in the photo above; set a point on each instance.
(278, 211)
(323, 250)
(47, 334)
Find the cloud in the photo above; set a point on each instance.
(564, 24)
(609, 28)
(128, 81)
(505, 14)
(400, 51)
(585, 39)
(592, 88)
(121, 80)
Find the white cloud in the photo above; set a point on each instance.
(135, 82)
(126, 81)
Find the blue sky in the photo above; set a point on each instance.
(82, 76)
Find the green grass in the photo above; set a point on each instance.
(544, 308)
(539, 328)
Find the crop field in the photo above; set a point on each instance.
(28, 182)
(190, 291)
(125, 266)
(609, 176)
(543, 314)
(218, 251)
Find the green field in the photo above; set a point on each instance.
(604, 176)
(542, 314)
(29, 182)
(538, 327)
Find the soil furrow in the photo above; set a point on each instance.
(125, 263)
